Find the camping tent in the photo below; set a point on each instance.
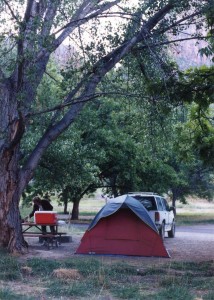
(123, 226)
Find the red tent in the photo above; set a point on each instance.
(126, 229)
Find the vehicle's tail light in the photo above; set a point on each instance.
(157, 216)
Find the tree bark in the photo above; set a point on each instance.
(75, 210)
(10, 128)
(10, 192)
(65, 206)
(174, 198)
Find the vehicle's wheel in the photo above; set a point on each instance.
(162, 231)
(171, 233)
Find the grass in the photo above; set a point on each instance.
(174, 292)
(209, 296)
(195, 212)
(86, 289)
(7, 294)
(98, 278)
(9, 267)
(194, 218)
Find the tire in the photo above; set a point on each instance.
(171, 233)
(162, 231)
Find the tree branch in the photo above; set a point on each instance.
(28, 10)
(82, 99)
(80, 18)
(11, 12)
(179, 22)
(2, 75)
(49, 17)
(167, 42)
(107, 15)
(102, 67)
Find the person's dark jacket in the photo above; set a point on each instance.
(45, 204)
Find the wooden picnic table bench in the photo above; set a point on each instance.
(49, 238)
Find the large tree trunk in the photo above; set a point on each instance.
(10, 221)
(10, 130)
(65, 206)
(174, 199)
(75, 210)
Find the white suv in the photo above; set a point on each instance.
(159, 210)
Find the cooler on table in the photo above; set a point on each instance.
(45, 217)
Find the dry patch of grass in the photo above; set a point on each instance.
(26, 270)
(72, 274)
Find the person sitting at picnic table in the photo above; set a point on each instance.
(41, 205)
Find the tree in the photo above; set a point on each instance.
(197, 87)
(123, 149)
(35, 34)
(67, 170)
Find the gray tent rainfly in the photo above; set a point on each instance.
(121, 202)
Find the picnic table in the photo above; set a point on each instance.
(49, 238)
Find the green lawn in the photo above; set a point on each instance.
(89, 278)
(195, 212)
(195, 218)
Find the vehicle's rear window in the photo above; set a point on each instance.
(160, 204)
(148, 202)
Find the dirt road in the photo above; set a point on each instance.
(192, 243)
